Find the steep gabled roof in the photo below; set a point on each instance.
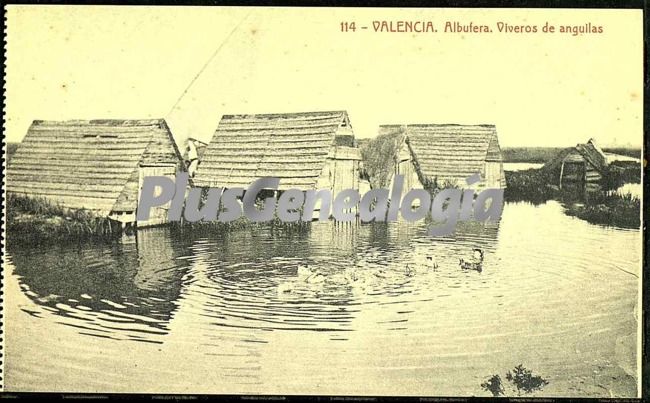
(589, 151)
(293, 147)
(82, 163)
(593, 155)
(451, 152)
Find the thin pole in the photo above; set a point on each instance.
(214, 54)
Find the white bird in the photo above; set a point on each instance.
(380, 273)
(351, 275)
(432, 263)
(304, 271)
(315, 278)
(285, 288)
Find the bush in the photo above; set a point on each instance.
(35, 220)
(620, 173)
(494, 385)
(529, 154)
(609, 209)
(379, 158)
(532, 185)
(522, 381)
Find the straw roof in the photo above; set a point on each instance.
(589, 151)
(87, 163)
(452, 152)
(293, 147)
(593, 154)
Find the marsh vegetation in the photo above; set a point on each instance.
(36, 220)
(520, 381)
(597, 205)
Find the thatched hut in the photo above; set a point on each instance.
(584, 164)
(444, 154)
(97, 165)
(313, 150)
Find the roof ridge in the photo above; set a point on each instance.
(486, 125)
(100, 122)
(285, 114)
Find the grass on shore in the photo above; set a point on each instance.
(531, 185)
(275, 225)
(597, 207)
(529, 154)
(620, 173)
(545, 154)
(609, 209)
(35, 220)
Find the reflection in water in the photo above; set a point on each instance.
(122, 291)
(556, 294)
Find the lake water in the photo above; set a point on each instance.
(202, 312)
(521, 166)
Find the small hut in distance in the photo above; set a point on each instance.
(97, 165)
(584, 164)
(312, 150)
(446, 154)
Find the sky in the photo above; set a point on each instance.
(191, 65)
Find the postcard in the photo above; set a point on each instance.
(439, 202)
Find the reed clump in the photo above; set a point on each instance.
(242, 222)
(531, 185)
(521, 381)
(609, 209)
(379, 159)
(35, 219)
(620, 173)
(596, 206)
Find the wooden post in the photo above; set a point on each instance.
(561, 173)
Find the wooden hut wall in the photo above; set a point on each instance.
(576, 168)
(347, 175)
(573, 167)
(494, 176)
(161, 149)
(346, 168)
(405, 166)
(592, 175)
